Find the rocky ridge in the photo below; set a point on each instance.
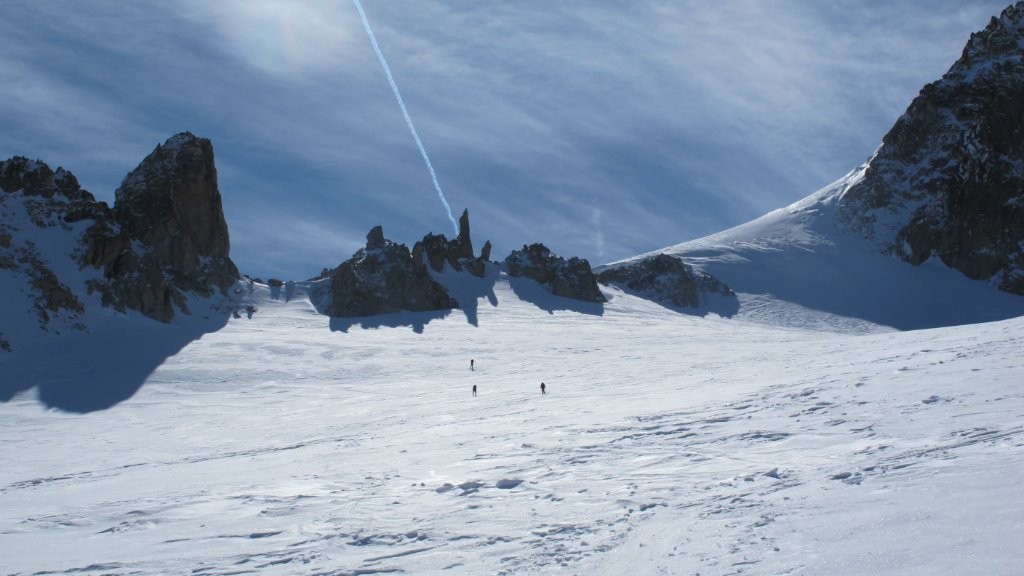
(572, 278)
(165, 238)
(666, 279)
(385, 277)
(456, 253)
(948, 179)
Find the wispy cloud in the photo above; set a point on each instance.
(601, 129)
(292, 40)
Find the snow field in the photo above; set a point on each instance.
(667, 444)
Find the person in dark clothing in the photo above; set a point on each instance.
(474, 389)
(543, 388)
(471, 361)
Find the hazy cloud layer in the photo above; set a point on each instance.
(601, 129)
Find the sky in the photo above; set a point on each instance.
(602, 130)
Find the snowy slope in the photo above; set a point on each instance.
(800, 266)
(667, 444)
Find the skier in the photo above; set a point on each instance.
(474, 389)
(543, 388)
(471, 364)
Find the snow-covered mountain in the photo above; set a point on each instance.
(948, 180)
(943, 193)
(826, 389)
(801, 265)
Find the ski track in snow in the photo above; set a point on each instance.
(667, 444)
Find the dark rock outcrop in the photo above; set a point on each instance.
(463, 241)
(35, 178)
(438, 251)
(385, 277)
(572, 278)
(948, 180)
(666, 279)
(171, 205)
(457, 253)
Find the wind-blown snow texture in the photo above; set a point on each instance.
(666, 444)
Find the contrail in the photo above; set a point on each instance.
(408, 120)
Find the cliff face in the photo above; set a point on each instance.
(171, 203)
(948, 180)
(170, 207)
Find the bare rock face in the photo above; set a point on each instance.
(948, 180)
(572, 278)
(463, 240)
(375, 239)
(667, 279)
(438, 251)
(385, 277)
(171, 206)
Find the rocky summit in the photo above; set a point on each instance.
(948, 179)
(169, 207)
(171, 203)
(385, 276)
(456, 253)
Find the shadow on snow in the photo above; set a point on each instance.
(86, 372)
(724, 306)
(468, 290)
(415, 320)
(530, 291)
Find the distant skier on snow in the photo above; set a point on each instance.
(543, 388)
(474, 389)
(471, 361)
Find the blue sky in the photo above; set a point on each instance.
(600, 129)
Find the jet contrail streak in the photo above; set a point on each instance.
(405, 113)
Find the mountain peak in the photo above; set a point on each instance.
(948, 180)
(1001, 38)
